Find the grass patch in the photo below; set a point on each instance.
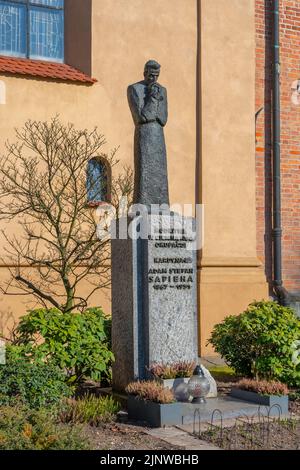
(222, 372)
(90, 410)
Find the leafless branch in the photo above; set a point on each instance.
(43, 190)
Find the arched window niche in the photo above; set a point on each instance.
(98, 182)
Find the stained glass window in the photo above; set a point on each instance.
(97, 181)
(32, 29)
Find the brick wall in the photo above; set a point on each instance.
(290, 137)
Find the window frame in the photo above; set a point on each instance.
(29, 5)
(107, 200)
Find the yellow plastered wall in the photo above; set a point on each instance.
(125, 34)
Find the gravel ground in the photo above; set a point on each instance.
(294, 407)
(283, 435)
(121, 436)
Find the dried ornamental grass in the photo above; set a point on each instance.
(151, 391)
(172, 371)
(90, 409)
(264, 387)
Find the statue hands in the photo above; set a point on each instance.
(155, 91)
(155, 105)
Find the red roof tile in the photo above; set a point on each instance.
(38, 68)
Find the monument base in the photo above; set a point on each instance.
(154, 282)
(215, 410)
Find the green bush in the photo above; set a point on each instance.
(294, 395)
(75, 342)
(90, 409)
(107, 330)
(23, 429)
(260, 342)
(32, 384)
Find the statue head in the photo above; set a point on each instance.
(151, 71)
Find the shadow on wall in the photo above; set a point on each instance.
(8, 324)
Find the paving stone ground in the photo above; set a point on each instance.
(180, 437)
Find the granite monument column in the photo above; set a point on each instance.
(154, 270)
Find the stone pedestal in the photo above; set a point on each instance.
(154, 281)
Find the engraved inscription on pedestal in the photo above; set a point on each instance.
(171, 278)
(154, 297)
